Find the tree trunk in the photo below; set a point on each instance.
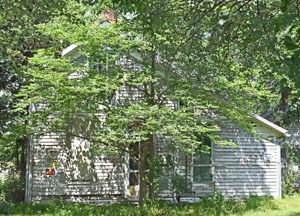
(142, 172)
(23, 158)
(151, 171)
(17, 155)
(151, 101)
(147, 150)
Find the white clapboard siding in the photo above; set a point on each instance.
(107, 172)
(251, 168)
(203, 189)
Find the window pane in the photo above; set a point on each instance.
(202, 158)
(133, 164)
(203, 153)
(134, 156)
(133, 179)
(202, 174)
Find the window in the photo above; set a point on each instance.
(95, 65)
(133, 164)
(202, 161)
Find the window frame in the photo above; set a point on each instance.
(133, 159)
(206, 165)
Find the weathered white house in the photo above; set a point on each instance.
(63, 167)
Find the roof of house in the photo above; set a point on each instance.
(70, 50)
(283, 132)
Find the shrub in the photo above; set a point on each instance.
(263, 203)
(12, 191)
(290, 169)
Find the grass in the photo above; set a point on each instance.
(289, 206)
(262, 206)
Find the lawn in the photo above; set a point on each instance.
(289, 206)
(260, 206)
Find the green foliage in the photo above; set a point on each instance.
(179, 74)
(12, 191)
(192, 81)
(290, 184)
(20, 36)
(178, 183)
(215, 205)
(291, 177)
(156, 169)
(182, 62)
(263, 203)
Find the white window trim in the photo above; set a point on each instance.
(212, 165)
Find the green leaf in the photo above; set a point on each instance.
(284, 5)
(288, 42)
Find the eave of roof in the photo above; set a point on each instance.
(69, 51)
(269, 124)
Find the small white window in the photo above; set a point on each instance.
(202, 161)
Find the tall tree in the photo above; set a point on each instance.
(156, 72)
(19, 39)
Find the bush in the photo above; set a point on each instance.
(290, 169)
(218, 205)
(12, 191)
(262, 203)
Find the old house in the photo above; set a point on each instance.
(63, 167)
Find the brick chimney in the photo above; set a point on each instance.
(109, 15)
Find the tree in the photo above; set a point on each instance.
(127, 121)
(155, 63)
(180, 61)
(245, 37)
(286, 61)
(19, 38)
